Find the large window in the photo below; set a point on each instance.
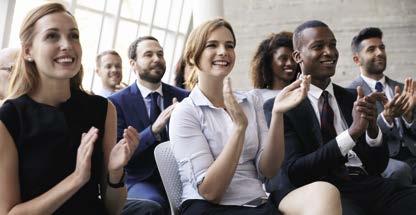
(114, 24)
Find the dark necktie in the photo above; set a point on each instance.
(327, 119)
(328, 133)
(154, 107)
(379, 87)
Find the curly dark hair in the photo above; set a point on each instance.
(261, 64)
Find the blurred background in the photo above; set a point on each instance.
(114, 24)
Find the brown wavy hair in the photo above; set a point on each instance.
(261, 65)
(195, 45)
(25, 76)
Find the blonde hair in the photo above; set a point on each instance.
(25, 76)
(195, 45)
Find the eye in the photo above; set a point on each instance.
(74, 36)
(52, 36)
(210, 45)
(229, 46)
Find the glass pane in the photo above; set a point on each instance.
(159, 35)
(131, 9)
(148, 7)
(107, 35)
(186, 17)
(126, 34)
(89, 24)
(94, 4)
(144, 30)
(162, 13)
(175, 14)
(21, 8)
(112, 6)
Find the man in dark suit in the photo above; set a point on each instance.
(333, 135)
(146, 105)
(396, 116)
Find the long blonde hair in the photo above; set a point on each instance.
(195, 45)
(25, 76)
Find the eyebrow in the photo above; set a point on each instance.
(57, 29)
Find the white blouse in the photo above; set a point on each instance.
(198, 133)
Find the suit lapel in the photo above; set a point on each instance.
(138, 106)
(343, 103)
(309, 124)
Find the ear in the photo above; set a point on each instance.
(132, 62)
(356, 59)
(27, 53)
(296, 56)
(97, 71)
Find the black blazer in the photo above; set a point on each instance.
(308, 159)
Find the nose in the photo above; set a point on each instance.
(222, 50)
(65, 44)
(330, 51)
(290, 62)
(380, 52)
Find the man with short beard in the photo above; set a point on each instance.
(396, 115)
(146, 105)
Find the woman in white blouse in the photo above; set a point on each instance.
(221, 141)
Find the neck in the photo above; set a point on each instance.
(372, 75)
(51, 93)
(109, 88)
(212, 89)
(149, 85)
(279, 84)
(322, 84)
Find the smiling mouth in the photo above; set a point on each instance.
(65, 60)
(328, 62)
(220, 63)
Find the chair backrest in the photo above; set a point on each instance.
(169, 172)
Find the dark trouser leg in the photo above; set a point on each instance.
(142, 207)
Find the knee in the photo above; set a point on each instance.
(147, 207)
(325, 190)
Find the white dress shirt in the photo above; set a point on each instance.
(344, 139)
(147, 100)
(388, 91)
(199, 132)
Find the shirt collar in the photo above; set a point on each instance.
(372, 83)
(316, 92)
(146, 91)
(200, 99)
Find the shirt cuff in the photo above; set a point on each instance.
(374, 142)
(408, 124)
(390, 125)
(345, 142)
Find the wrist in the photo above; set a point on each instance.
(116, 179)
(388, 117)
(354, 134)
(408, 116)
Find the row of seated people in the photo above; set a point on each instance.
(61, 148)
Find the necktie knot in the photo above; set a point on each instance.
(325, 95)
(379, 87)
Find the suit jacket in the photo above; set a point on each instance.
(131, 111)
(392, 135)
(308, 159)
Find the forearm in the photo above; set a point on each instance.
(50, 201)
(273, 154)
(221, 171)
(114, 198)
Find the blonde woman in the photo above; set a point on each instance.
(58, 148)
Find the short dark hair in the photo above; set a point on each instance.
(133, 46)
(366, 33)
(101, 55)
(261, 64)
(297, 34)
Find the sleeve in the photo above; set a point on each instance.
(189, 144)
(10, 118)
(262, 130)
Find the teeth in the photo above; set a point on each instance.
(64, 60)
(328, 62)
(221, 63)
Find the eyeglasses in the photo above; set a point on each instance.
(9, 69)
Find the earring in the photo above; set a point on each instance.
(29, 59)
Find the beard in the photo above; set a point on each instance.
(153, 76)
(374, 68)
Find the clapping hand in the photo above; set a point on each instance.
(124, 149)
(410, 92)
(292, 95)
(232, 106)
(84, 153)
